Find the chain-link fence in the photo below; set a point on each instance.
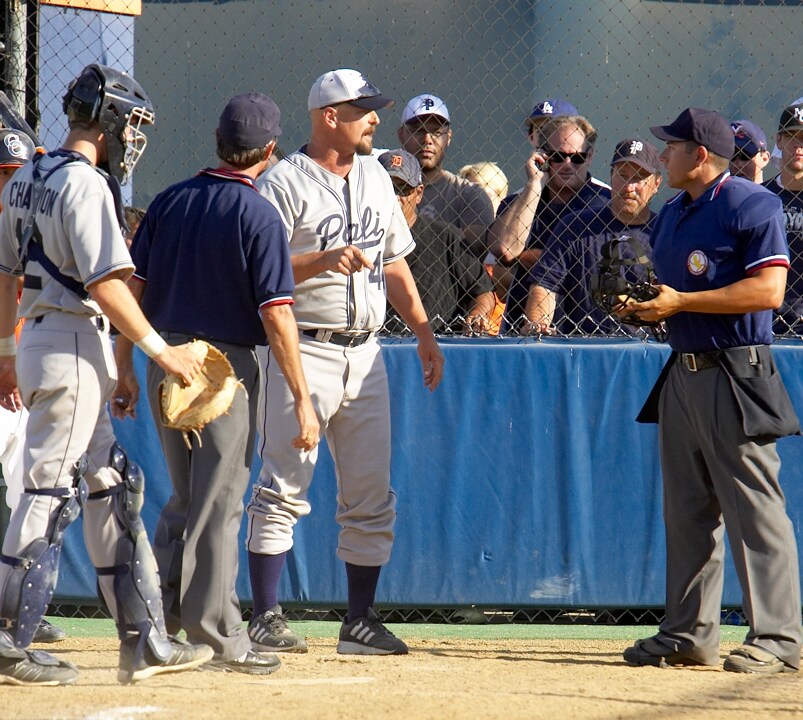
(622, 65)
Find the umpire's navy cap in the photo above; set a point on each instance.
(346, 86)
(250, 120)
(402, 165)
(791, 119)
(704, 127)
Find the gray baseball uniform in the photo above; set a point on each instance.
(338, 317)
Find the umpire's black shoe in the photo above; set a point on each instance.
(252, 663)
(184, 656)
(34, 667)
(47, 633)
(652, 651)
(368, 636)
(752, 659)
(269, 632)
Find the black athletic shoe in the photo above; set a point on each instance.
(753, 659)
(652, 651)
(47, 633)
(34, 667)
(254, 663)
(269, 632)
(183, 657)
(368, 636)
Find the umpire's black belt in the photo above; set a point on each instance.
(694, 362)
(338, 338)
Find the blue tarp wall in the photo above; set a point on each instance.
(522, 480)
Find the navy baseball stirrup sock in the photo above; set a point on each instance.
(265, 572)
(362, 581)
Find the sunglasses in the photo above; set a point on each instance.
(742, 156)
(403, 190)
(555, 157)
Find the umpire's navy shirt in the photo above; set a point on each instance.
(213, 252)
(733, 230)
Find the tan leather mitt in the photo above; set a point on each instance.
(190, 407)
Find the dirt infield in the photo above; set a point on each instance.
(443, 679)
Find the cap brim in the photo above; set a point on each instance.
(422, 116)
(660, 131)
(375, 102)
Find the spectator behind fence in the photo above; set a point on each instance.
(720, 253)
(574, 249)
(788, 185)
(489, 176)
(452, 282)
(564, 185)
(426, 133)
(751, 155)
(133, 217)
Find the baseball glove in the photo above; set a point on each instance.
(190, 407)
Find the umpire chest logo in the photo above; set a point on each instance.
(697, 262)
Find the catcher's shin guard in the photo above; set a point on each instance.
(30, 584)
(136, 579)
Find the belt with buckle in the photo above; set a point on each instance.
(695, 362)
(338, 338)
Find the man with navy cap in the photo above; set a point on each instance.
(751, 155)
(541, 112)
(788, 185)
(212, 263)
(426, 133)
(720, 251)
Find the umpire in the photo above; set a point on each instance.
(213, 263)
(719, 247)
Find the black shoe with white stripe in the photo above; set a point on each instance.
(368, 636)
(269, 632)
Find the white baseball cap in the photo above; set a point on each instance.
(423, 106)
(351, 86)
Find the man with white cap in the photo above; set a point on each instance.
(425, 132)
(348, 242)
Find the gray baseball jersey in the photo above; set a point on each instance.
(322, 211)
(83, 240)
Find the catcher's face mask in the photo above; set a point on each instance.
(625, 274)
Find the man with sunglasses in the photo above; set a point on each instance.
(558, 183)
(575, 248)
(426, 133)
(788, 185)
(751, 155)
(348, 242)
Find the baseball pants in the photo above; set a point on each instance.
(349, 389)
(713, 473)
(196, 538)
(66, 373)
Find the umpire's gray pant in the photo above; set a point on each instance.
(711, 471)
(196, 538)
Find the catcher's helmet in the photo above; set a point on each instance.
(120, 106)
(16, 148)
